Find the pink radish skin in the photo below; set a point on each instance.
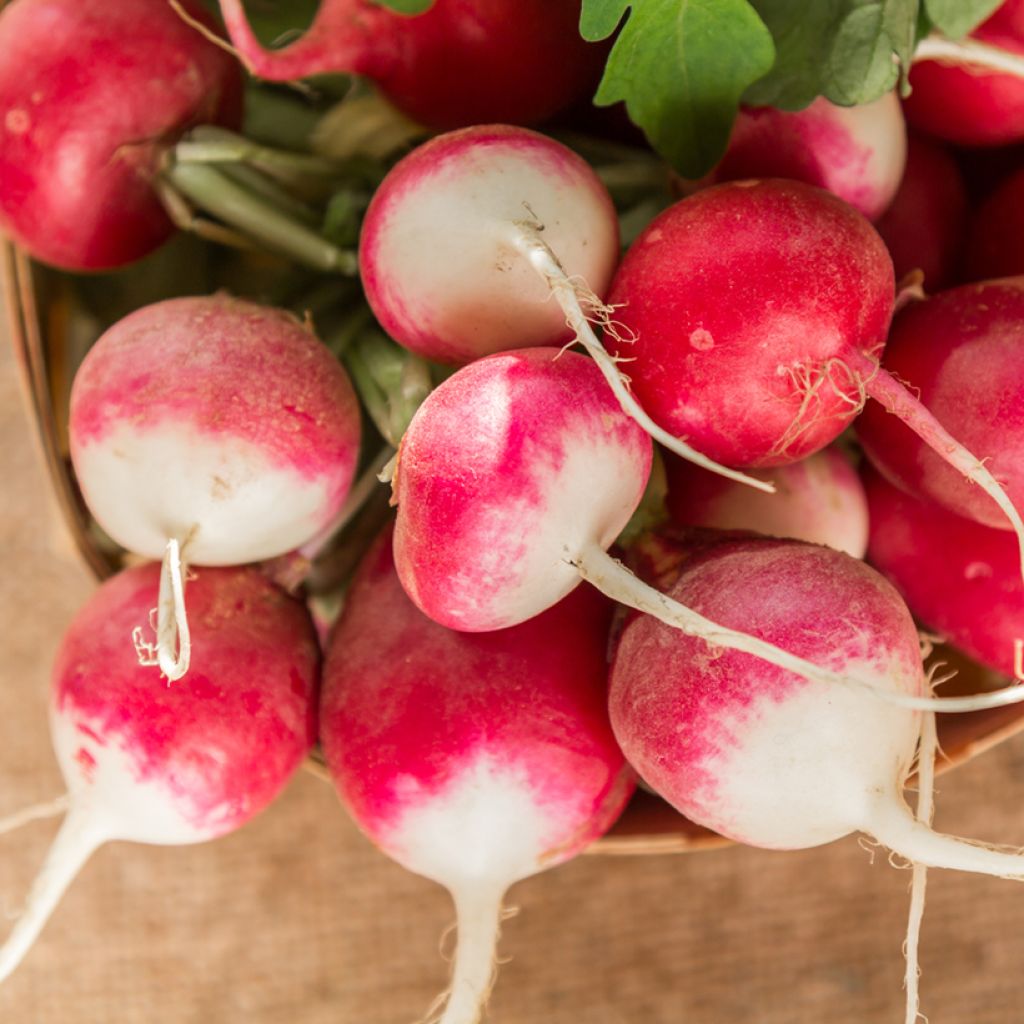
(173, 765)
(857, 153)
(508, 470)
(461, 62)
(952, 573)
(217, 420)
(925, 224)
(513, 770)
(996, 243)
(761, 755)
(819, 500)
(92, 93)
(961, 350)
(440, 255)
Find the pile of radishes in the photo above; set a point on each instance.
(484, 714)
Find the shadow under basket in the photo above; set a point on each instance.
(49, 338)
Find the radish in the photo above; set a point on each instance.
(759, 754)
(759, 311)
(961, 351)
(951, 572)
(173, 765)
(514, 477)
(924, 226)
(473, 759)
(819, 499)
(92, 94)
(996, 242)
(857, 153)
(213, 430)
(461, 62)
(470, 236)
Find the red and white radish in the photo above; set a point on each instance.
(759, 754)
(173, 765)
(961, 351)
(819, 499)
(924, 226)
(759, 311)
(512, 480)
(470, 236)
(857, 153)
(92, 94)
(461, 62)
(213, 430)
(952, 572)
(473, 759)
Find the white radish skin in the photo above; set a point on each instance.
(819, 499)
(766, 757)
(857, 153)
(173, 765)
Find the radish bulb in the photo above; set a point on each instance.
(173, 765)
(473, 759)
(210, 431)
(470, 236)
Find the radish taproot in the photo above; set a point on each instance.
(857, 153)
(515, 476)
(952, 572)
(819, 499)
(92, 94)
(470, 236)
(759, 754)
(173, 765)
(473, 759)
(461, 62)
(961, 351)
(757, 313)
(211, 430)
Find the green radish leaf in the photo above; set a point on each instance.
(406, 6)
(955, 18)
(681, 67)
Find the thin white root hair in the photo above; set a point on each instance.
(973, 52)
(581, 306)
(37, 812)
(208, 33)
(869, 846)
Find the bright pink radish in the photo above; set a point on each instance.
(759, 311)
(173, 765)
(819, 499)
(961, 349)
(92, 94)
(857, 153)
(759, 754)
(495, 238)
(996, 243)
(221, 426)
(925, 224)
(473, 759)
(512, 480)
(952, 572)
(461, 62)
(973, 103)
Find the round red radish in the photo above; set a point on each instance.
(819, 499)
(857, 153)
(996, 242)
(441, 253)
(748, 302)
(511, 469)
(961, 350)
(180, 764)
(925, 224)
(213, 420)
(461, 62)
(92, 93)
(473, 759)
(955, 574)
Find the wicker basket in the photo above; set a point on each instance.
(42, 326)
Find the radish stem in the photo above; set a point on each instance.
(572, 296)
